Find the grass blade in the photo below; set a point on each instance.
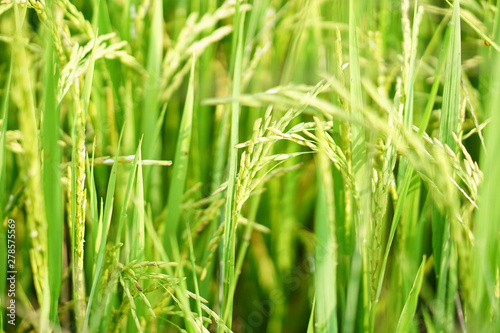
(361, 175)
(78, 190)
(325, 253)
(139, 231)
(3, 234)
(405, 320)
(229, 238)
(104, 230)
(152, 144)
(486, 252)
(180, 166)
(310, 325)
(51, 179)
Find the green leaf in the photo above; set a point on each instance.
(180, 165)
(410, 307)
(52, 179)
(104, 229)
(3, 234)
(325, 247)
(229, 238)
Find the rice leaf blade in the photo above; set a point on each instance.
(410, 306)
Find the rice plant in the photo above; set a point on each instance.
(249, 166)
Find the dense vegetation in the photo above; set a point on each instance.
(270, 165)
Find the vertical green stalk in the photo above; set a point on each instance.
(451, 94)
(229, 238)
(361, 170)
(152, 143)
(31, 165)
(180, 167)
(78, 192)
(486, 253)
(343, 195)
(406, 318)
(285, 223)
(442, 222)
(409, 172)
(202, 114)
(409, 200)
(128, 191)
(176, 190)
(139, 232)
(3, 190)
(94, 213)
(325, 247)
(192, 258)
(218, 167)
(310, 325)
(51, 178)
(105, 221)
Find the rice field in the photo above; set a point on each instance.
(250, 166)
